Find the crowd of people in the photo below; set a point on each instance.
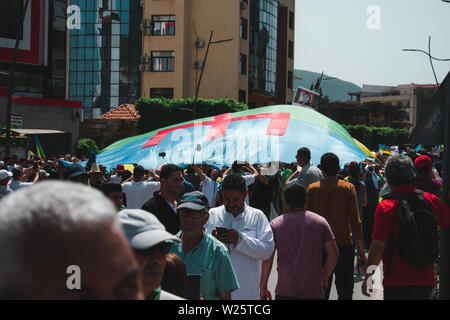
(207, 233)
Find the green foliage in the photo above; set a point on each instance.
(161, 112)
(83, 147)
(371, 137)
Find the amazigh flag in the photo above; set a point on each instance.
(384, 149)
(259, 135)
(418, 148)
(39, 150)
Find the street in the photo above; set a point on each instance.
(357, 293)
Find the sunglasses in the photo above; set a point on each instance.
(163, 247)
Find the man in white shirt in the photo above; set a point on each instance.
(19, 176)
(209, 186)
(247, 234)
(249, 178)
(139, 191)
(308, 173)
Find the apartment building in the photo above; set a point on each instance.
(253, 65)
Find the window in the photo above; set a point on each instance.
(163, 25)
(290, 80)
(291, 20)
(242, 96)
(163, 61)
(161, 93)
(291, 49)
(243, 29)
(10, 13)
(243, 64)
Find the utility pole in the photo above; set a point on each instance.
(444, 277)
(203, 68)
(12, 84)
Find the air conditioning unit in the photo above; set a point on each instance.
(146, 26)
(244, 4)
(199, 44)
(145, 59)
(198, 64)
(144, 67)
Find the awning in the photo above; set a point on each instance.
(36, 131)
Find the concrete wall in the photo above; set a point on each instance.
(44, 117)
(107, 131)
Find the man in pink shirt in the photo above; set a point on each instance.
(300, 237)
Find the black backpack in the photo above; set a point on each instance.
(417, 242)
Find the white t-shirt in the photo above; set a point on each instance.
(210, 189)
(14, 185)
(257, 245)
(116, 179)
(138, 193)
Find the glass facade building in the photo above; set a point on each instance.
(105, 54)
(263, 46)
(37, 79)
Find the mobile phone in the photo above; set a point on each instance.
(221, 230)
(193, 286)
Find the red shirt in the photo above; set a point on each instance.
(385, 223)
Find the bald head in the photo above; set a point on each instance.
(50, 226)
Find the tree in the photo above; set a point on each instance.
(83, 147)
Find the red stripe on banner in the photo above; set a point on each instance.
(278, 122)
(219, 126)
(277, 126)
(163, 133)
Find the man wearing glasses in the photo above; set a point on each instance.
(151, 243)
(201, 252)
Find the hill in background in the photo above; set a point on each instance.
(336, 89)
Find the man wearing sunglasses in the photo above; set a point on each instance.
(151, 243)
(201, 252)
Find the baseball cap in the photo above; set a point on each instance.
(74, 170)
(43, 173)
(4, 174)
(143, 230)
(423, 163)
(120, 167)
(194, 200)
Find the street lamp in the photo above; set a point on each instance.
(203, 68)
(11, 86)
(429, 55)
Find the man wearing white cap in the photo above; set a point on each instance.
(151, 243)
(4, 179)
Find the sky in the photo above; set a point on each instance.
(333, 36)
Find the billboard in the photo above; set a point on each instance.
(29, 45)
(305, 97)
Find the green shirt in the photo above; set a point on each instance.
(155, 294)
(210, 259)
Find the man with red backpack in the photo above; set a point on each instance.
(405, 235)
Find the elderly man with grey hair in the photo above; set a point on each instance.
(402, 279)
(61, 240)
